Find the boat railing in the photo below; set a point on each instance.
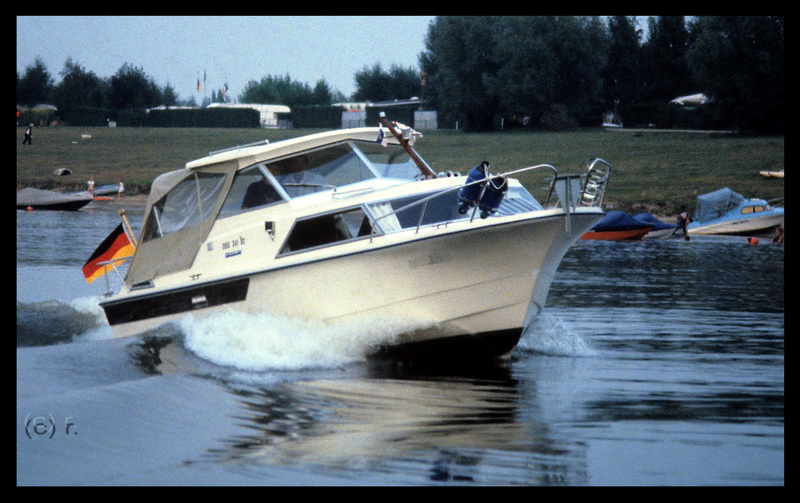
(425, 200)
(593, 184)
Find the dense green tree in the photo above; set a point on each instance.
(131, 88)
(278, 90)
(738, 62)
(581, 51)
(459, 62)
(168, 96)
(537, 67)
(35, 85)
(666, 72)
(322, 93)
(622, 76)
(376, 84)
(78, 88)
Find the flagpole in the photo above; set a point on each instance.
(422, 165)
(108, 282)
(128, 228)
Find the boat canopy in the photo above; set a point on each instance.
(618, 221)
(715, 204)
(657, 224)
(184, 204)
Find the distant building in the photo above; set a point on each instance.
(358, 114)
(268, 113)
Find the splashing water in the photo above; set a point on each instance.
(552, 336)
(258, 342)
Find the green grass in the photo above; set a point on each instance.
(660, 172)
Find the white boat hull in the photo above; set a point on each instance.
(738, 226)
(475, 282)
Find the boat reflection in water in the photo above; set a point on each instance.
(352, 226)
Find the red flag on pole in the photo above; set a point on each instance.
(116, 245)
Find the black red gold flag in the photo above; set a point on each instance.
(116, 245)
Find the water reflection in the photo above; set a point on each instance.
(441, 429)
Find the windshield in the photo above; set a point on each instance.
(390, 161)
(339, 165)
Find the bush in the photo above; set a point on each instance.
(316, 117)
(38, 116)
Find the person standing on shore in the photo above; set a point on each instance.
(120, 190)
(28, 136)
(90, 186)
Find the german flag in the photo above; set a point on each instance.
(116, 245)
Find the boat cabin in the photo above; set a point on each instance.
(289, 176)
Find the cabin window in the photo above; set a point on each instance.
(327, 229)
(251, 188)
(752, 209)
(189, 203)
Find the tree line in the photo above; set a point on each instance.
(562, 71)
(553, 72)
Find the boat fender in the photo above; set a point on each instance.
(496, 189)
(470, 193)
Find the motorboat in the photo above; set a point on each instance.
(352, 225)
(727, 212)
(660, 229)
(38, 199)
(618, 226)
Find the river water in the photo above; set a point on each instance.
(654, 363)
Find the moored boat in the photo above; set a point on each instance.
(618, 226)
(727, 212)
(38, 199)
(349, 226)
(660, 228)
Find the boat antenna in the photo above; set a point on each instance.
(423, 167)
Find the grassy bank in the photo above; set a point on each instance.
(660, 172)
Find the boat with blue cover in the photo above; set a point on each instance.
(618, 226)
(660, 229)
(727, 212)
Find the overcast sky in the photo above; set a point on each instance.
(233, 50)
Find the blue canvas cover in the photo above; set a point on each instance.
(647, 218)
(618, 221)
(715, 204)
